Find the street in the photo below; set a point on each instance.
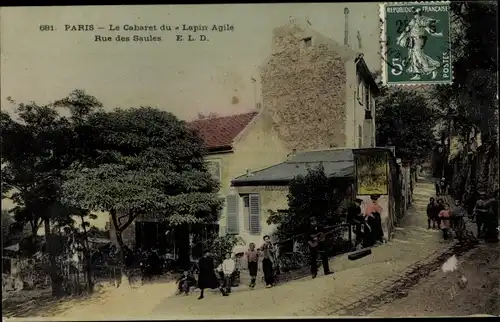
(353, 283)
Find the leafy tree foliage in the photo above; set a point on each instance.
(145, 162)
(37, 145)
(471, 102)
(405, 120)
(473, 94)
(312, 195)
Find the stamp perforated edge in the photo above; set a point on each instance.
(383, 41)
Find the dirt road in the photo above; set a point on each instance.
(441, 295)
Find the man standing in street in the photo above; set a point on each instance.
(355, 218)
(268, 255)
(481, 213)
(315, 239)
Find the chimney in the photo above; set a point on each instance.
(346, 31)
(291, 155)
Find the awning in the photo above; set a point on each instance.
(336, 163)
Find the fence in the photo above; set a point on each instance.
(293, 253)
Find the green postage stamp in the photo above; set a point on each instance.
(416, 45)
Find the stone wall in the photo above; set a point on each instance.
(304, 89)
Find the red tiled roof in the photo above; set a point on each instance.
(220, 132)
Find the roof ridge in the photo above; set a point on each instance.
(224, 116)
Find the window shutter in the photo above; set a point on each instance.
(254, 217)
(232, 214)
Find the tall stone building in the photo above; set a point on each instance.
(319, 93)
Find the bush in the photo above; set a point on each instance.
(312, 195)
(221, 245)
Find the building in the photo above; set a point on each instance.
(317, 95)
(236, 145)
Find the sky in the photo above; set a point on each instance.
(185, 78)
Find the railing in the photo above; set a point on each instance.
(293, 253)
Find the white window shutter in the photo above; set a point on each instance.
(254, 220)
(232, 222)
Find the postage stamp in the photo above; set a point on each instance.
(416, 47)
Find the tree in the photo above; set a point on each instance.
(405, 121)
(7, 222)
(473, 95)
(37, 146)
(147, 163)
(312, 195)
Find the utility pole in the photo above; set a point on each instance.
(346, 27)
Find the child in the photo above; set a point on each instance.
(228, 266)
(185, 282)
(252, 260)
(431, 213)
(445, 216)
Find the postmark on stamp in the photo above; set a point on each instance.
(416, 46)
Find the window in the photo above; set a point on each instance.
(307, 42)
(254, 214)
(359, 90)
(246, 212)
(360, 136)
(232, 214)
(367, 98)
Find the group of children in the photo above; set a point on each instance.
(440, 214)
(223, 275)
(209, 276)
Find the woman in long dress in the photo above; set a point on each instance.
(206, 275)
(414, 39)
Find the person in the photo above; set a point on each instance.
(458, 213)
(437, 187)
(206, 274)
(355, 217)
(373, 217)
(432, 213)
(317, 246)
(443, 186)
(486, 213)
(253, 263)
(480, 212)
(414, 38)
(445, 216)
(228, 267)
(268, 252)
(440, 207)
(185, 282)
(491, 223)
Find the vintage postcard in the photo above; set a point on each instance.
(249, 160)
